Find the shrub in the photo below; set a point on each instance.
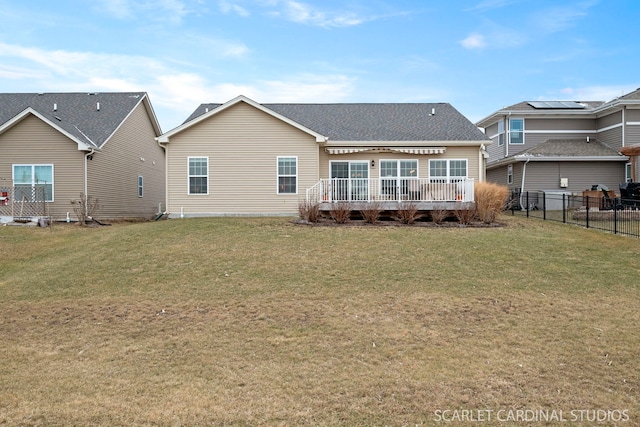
(340, 212)
(490, 200)
(309, 211)
(465, 216)
(371, 212)
(408, 213)
(439, 214)
(85, 207)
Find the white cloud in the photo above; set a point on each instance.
(474, 41)
(174, 93)
(593, 93)
(170, 11)
(486, 5)
(228, 7)
(559, 18)
(304, 13)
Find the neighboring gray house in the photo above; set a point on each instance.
(246, 158)
(563, 146)
(54, 146)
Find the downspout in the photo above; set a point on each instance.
(165, 148)
(524, 172)
(86, 179)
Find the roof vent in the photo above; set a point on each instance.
(206, 109)
(97, 106)
(587, 139)
(55, 107)
(433, 112)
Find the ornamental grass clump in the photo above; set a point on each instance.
(371, 212)
(408, 213)
(490, 200)
(341, 212)
(309, 211)
(439, 214)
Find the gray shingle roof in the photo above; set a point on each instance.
(376, 122)
(75, 113)
(525, 106)
(575, 147)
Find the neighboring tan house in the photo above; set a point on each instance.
(246, 158)
(563, 146)
(55, 146)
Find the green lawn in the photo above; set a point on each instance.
(237, 321)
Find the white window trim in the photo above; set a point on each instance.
(33, 165)
(278, 176)
(398, 177)
(523, 131)
(627, 172)
(189, 176)
(509, 174)
(501, 133)
(140, 186)
(448, 177)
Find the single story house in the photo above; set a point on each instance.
(564, 146)
(56, 146)
(247, 158)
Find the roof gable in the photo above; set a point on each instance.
(89, 119)
(358, 122)
(207, 112)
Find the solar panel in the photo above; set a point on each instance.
(556, 105)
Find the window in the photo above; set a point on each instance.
(140, 186)
(447, 170)
(198, 175)
(350, 180)
(287, 175)
(627, 173)
(395, 177)
(33, 182)
(516, 131)
(501, 132)
(509, 174)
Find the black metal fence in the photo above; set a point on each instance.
(611, 214)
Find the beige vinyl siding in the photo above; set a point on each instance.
(498, 175)
(551, 124)
(611, 137)
(113, 172)
(471, 154)
(632, 115)
(632, 136)
(609, 120)
(242, 144)
(32, 141)
(496, 151)
(546, 175)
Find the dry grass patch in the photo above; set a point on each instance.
(259, 322)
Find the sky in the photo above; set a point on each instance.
(478, 55)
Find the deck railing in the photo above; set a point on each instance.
(390, 190)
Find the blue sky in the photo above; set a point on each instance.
(478, 55)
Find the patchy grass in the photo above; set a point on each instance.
(262, 322)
